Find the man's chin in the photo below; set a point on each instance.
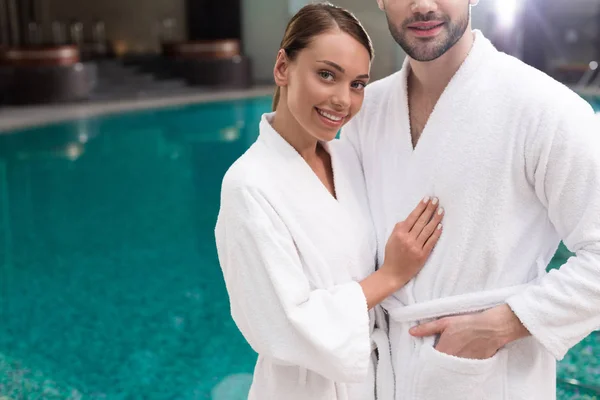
(424, 55)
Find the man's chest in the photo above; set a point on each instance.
(419, 113)
(452, 162)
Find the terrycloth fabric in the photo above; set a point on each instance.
(514, 158)
(292, 256)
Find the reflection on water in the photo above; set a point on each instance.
(111, 287)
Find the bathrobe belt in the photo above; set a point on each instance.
(384, 373)
(453, 305)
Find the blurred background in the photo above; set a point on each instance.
(118, 119)
(59, 50)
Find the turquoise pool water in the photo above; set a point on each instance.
(110, 287)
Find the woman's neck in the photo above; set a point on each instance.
(315, 156)
(292, 132)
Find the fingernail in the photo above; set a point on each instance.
(440, 211)
(426, 199)
(439, 226)
(435, 201)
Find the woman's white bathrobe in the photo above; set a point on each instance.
(514, 158)
(292, 256)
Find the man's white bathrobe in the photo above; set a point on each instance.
(514, 158)
(292, 256)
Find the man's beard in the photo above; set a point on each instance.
(429, 49)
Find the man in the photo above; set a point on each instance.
(514, 158)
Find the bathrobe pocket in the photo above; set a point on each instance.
(441, 376)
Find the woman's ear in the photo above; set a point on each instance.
(381, 5)
(281, 70)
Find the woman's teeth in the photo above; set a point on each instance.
(329, 116)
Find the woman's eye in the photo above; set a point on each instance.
(326, 75)
(359, 85)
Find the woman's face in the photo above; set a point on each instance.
(324, 85)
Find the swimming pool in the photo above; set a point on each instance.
(110, 286)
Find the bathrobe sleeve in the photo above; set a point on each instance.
(563, 163)
(272, 303)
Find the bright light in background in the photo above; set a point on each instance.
(73, 151)
(507, 11)
(593, 65)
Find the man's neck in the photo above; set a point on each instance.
(432, 77)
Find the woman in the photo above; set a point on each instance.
(294, 236)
